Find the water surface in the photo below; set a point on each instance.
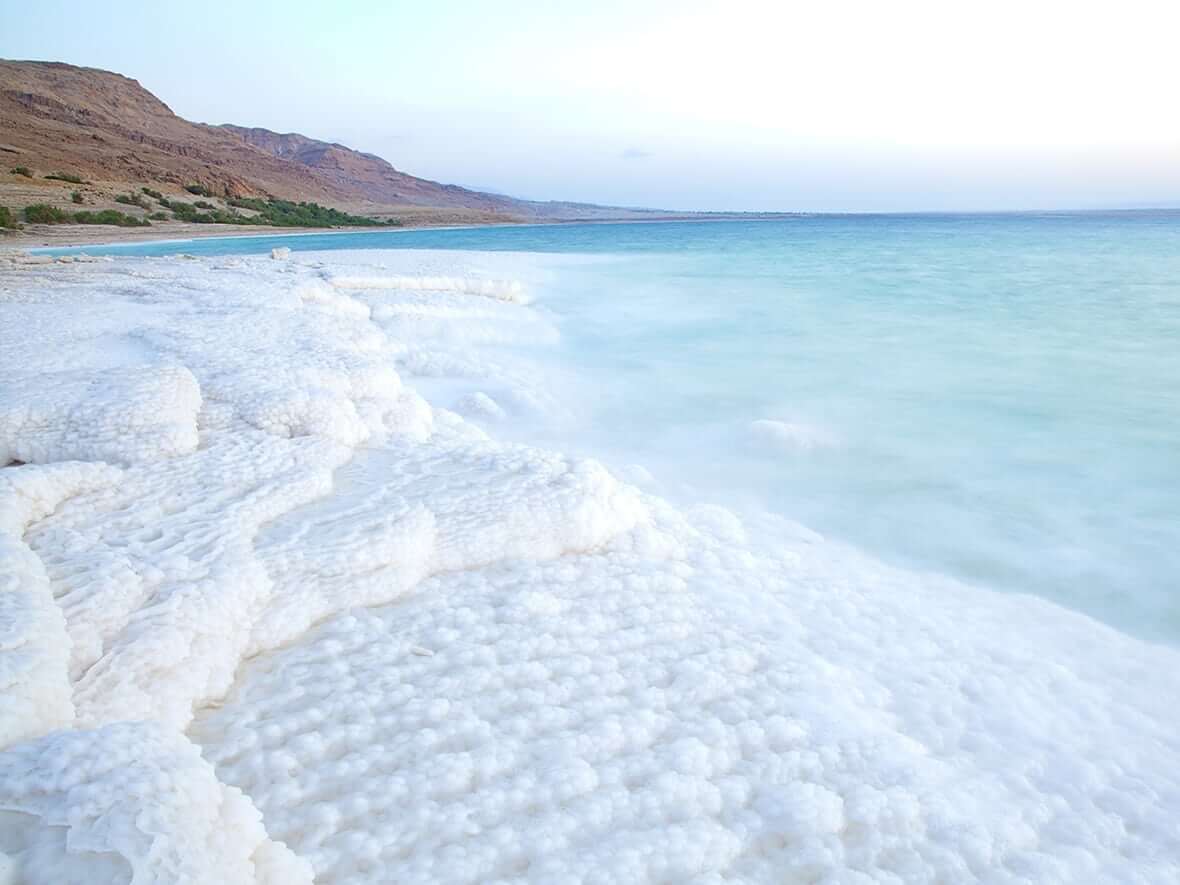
(991, 396)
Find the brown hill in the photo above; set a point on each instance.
(105, 127)
(370, 177)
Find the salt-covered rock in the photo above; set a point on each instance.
(481, 406)
(789, 436)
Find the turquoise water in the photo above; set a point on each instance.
(996, 397)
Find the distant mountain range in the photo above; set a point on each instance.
(102, 126)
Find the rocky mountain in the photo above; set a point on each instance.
(105, 127)
(369, 176)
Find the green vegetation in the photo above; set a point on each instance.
(22, 170)
(40, 213)
(249, 203)
(199, 189)
(7, 219)
(110, 216)
(63, 176)
(183, 211)
(284, 213)
(132, 200)
(155, 195)
(278, 213)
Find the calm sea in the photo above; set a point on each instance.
(996, 397)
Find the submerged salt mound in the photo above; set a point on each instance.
(502, 290)
(121, 415)
(131, 803)
(480, 406)
(789, 437)
(686, 707)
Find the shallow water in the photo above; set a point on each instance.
(993, 397)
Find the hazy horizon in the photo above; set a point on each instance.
(746, 107)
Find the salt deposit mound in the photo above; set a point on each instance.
(269, 612)
(788, 437)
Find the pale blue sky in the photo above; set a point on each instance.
(842, 105)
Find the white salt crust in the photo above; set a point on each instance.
(132, 802)
(119, 415)
(411, 652)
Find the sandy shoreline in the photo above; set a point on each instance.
(66, 235)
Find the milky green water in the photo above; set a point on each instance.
(995, 397)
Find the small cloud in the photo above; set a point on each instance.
(634, 154)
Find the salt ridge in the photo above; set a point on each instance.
(407, 649)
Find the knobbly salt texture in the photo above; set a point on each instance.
(131, 802)
(34, 645)
(118, 415)
(251, 523)
(681, 707)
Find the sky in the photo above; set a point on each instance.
(741, 105)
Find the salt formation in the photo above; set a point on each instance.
(34, 645)
(503, 290)
(678, 708)
(118, 415)
(480, 406)
(269, 609)
(131, 802)
(788, 436)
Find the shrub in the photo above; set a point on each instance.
(132, 200)
(159, 216)
(248, 203)
(199, 189)
(7, 219)
(64, 176)
(22, 170)
(110, 216)
(280, 213)
(76, 196)
(40, 213)
(155, 195)
(284, 213)
(181, 210)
